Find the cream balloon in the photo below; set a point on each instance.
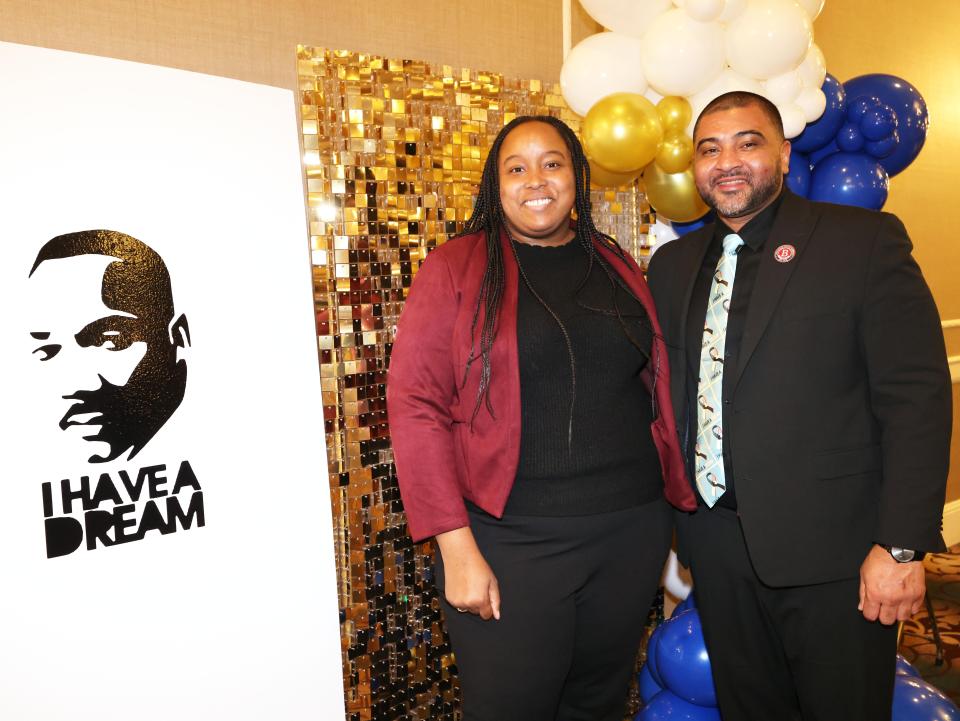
(728, 81)
(732, 10)
(812, 102)
(704, 11)
(680, 55)
(783, 89)
(793, 118)
(600, 65)
(813, 7)
(813, 69)
(630, 17)
(653, 96)
(769, 38)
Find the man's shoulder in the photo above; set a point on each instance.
(849, 216)
(679, 250)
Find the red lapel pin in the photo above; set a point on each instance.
(785, 253)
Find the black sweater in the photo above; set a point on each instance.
(609, 461)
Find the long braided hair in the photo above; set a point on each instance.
(488, 217)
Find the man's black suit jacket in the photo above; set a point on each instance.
(839, 418)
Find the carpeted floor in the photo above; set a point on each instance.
(916, 645)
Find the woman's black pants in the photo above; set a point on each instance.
(575, 594)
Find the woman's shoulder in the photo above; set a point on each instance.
(457, 252)
(460, 245)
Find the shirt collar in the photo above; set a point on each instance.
(756, 231)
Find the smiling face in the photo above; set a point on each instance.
(537, 188)
(739, 162)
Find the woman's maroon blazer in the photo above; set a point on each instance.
(443, 454)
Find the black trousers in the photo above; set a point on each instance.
(575, 592)
(782, 654)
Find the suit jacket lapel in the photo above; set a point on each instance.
(700, 243)
(793, 226)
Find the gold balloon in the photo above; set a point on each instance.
(673, 195)
(622, 132)
(675, 153)
(600, 177)
(674, 113)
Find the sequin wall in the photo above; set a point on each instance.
(393, 151)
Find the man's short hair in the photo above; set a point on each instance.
(741, 99)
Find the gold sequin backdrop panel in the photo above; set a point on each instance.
(393, 153)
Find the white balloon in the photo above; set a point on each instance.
(660, 234)
(769, 38)
(732, 10)
(676, 579)
(653, 96)
(793, 118)
(630, 17)
(813, 7)
(813, 69)
(812, 102)
(728, 81)
(680, 55)
(599, 65)
(783, 89)
(705, 11)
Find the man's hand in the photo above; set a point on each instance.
(470, 583)
(889, 590)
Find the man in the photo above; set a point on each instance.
(826, 483)
(103, 319)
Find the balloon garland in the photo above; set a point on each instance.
(641, 84)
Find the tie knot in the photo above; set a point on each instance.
(731, 243)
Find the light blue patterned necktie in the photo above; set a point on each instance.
(709, 453)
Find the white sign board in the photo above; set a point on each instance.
(166, 549)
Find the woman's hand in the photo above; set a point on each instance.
(470, 583)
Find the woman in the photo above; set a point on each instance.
(529, 407)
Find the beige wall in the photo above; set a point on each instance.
(255, 40)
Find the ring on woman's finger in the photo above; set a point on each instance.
(462, 610)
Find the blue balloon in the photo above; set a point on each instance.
(878, 123)
(850, 139)
(882, 148)
(905, 668)
(821, 131)
(798, 179)
(648, 687)
(665, 706)
(651, 663)
(682, 229)
(916, 700)
(857, 107)
(909, 107)
(683, 662)
(850, 179)
(817, 155)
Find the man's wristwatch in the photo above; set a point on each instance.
(903, 555)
